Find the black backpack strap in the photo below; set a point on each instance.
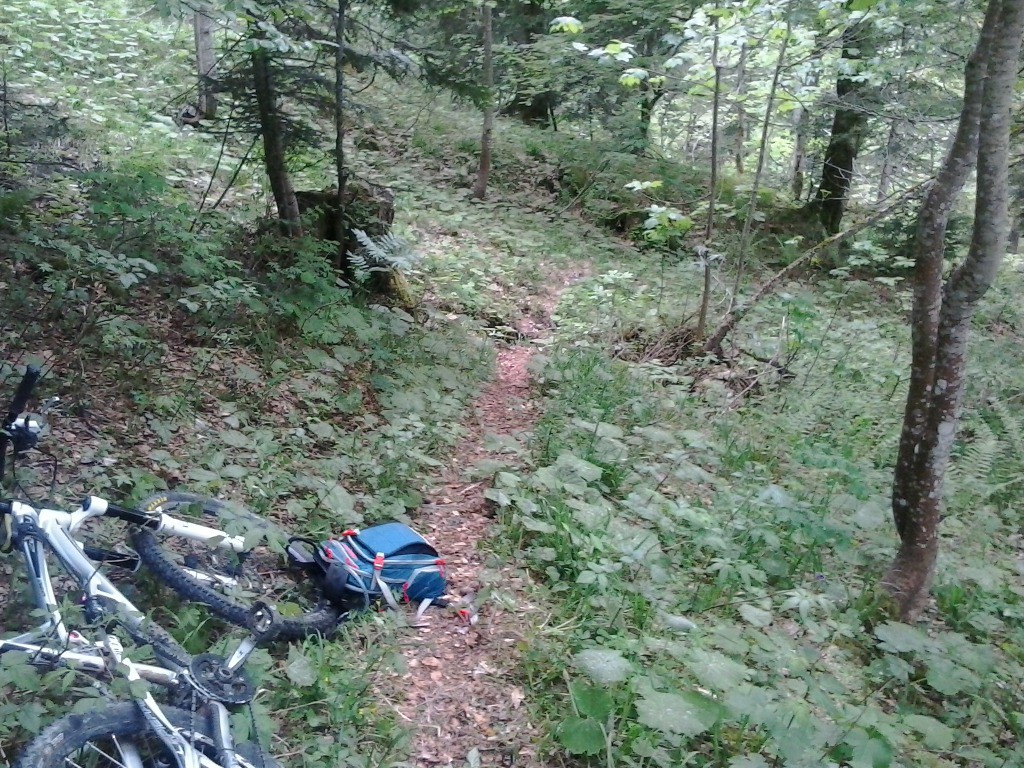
(304, 553)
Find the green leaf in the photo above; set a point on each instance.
(870, 750)
(757, 617)
(937, 735)
(322, 429)
(581, 736)
(686, 714)
(748, 761)
(949, 678)
(299, 669)
(591, 701)
(862, 5)
(716, 670)
(340, 503)
(203, 475)
(901, 638)
(633, 77)
(568, 24)
(583, 469)
(603, 665)
(235, 439)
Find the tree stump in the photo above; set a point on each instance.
(367, 206)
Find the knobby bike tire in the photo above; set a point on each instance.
(322, 618)
(93, 739)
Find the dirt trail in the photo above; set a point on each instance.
(461, 697)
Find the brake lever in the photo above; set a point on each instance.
(24, 432)
(50, 404)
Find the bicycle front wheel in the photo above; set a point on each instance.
(229, 582)
(120, 736)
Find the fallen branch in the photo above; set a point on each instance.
(714, 341)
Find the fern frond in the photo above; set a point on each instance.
(386, 254)
(974, 467)
(1011, 426)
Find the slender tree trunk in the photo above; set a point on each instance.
(762, 153)
(340, 227)
(799, 164)
(942, 314)
(709, 225)
(206, 60)
(273, 144)
(892, 141)
(848, 128)
(483, 171)
(888, 162)
(739, 149)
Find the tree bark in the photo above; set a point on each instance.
(941, 316)
(762, 153)
(892, 141)
(340, 233)
(888, 162)
(739, 149)
(483, 171)
(709, 225)
(848, 128)
(273, 144)
(202, 27)
(799, 162)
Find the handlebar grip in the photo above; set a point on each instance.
(23, 392)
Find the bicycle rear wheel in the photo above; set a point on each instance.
(120, 736)
(228, 582)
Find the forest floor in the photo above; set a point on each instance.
(459, 691)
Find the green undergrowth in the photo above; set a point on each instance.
(184, 362)
(715, 546)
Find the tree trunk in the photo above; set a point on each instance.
(892, 142)
(799, 165)
(273, 144)
(532, 107)
(848, 128)
(483, 171)
(709, 225)
(649, 99)
(888, 162)
(339, 130)
(202, 26)
(942, 314)
(739, 149)
(762, 153)
(536, 109)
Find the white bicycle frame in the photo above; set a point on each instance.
(54, 530)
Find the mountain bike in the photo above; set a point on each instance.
(209, 551)
(192, 728)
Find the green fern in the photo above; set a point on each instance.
(1012, 426)
(389, 253)
(993, 461)
(972, 471)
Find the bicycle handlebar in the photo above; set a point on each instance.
(22, 393)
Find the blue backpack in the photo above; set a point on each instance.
(389, 562)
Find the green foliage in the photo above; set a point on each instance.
(716, 558)
(389, 253)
